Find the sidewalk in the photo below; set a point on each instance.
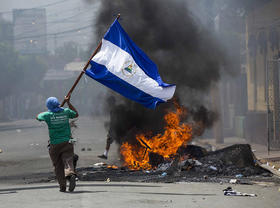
(20, 124)
(269, 160)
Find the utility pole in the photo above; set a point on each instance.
(216, 106)
(215, 88)
(55, 43)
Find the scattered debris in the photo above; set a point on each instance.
(85, 149)
(233, 181)
(238, 176)
(98, 165)
(197, 163)
(213, 168)
(163, 174)
(164, 166)
(235, 162)
(230, 192)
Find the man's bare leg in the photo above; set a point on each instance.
(107, 148)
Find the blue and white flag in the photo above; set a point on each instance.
(125, 68)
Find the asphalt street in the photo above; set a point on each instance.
(103, 194)
(24, 153)
(24, 147)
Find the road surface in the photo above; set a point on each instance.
(24, 152)
(142, 195)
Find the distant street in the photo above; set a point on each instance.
(24, 146)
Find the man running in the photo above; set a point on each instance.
(61, 150)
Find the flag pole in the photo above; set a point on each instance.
(81, 74)
(84, 70)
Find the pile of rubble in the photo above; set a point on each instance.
(192, 163)
(236, 160)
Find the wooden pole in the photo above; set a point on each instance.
(81, 74)
(84, 69)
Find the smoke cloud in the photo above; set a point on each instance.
(186, 55)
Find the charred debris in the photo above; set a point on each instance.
(192, 164)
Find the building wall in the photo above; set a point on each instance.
(259, 24)
(262, 41)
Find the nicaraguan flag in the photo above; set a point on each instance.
(125, 68)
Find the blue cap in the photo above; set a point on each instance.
(53, 104)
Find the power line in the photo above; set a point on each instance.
(30, 30)
(64, 20)
(64, 11)
(51, 4)
(58, 33)
(46, 5)
(75, 15)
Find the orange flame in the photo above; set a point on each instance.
(175, 135)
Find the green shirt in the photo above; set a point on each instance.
(58, 124)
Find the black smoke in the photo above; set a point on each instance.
(186, 55)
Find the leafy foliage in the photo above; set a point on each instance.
(68, 52)
(17, 73)
(8, 70)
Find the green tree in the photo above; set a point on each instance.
(18, 74)
(68, 52)
(6, 31)
(8, 60)
(9, 76)
(31, 70)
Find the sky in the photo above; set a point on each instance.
(62, 15)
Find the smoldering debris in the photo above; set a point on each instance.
(130, 119)
(236, 162)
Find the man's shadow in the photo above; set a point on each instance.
(16, 189)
